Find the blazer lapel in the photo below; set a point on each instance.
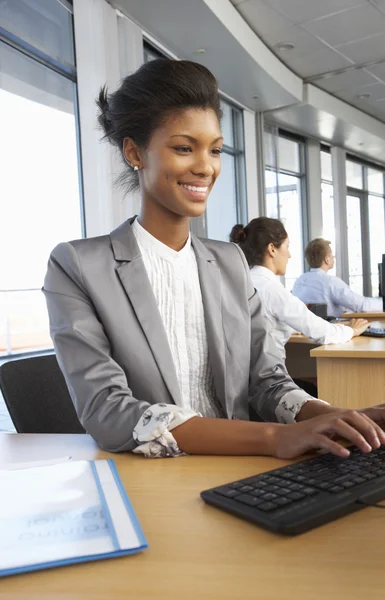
(211, 287)
(133, 276)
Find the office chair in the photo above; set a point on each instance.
(37, 396)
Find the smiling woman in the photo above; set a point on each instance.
(160, 335)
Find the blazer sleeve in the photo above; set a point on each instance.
(269, 384)
(98, 386)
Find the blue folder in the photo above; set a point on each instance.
(65, 513)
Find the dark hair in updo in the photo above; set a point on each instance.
(148, 96)
(256, 236)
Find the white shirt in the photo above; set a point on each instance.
(317, 286)
(175, 282)
(287, 313)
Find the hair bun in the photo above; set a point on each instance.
(238, 234)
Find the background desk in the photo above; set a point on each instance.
(379, 316)
(198, 552)
(352, 375)
(299, 363)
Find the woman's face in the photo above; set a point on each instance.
(282, 255)
(182, 162)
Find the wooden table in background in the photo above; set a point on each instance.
(379, 316)
(199, 552)
(352, 375)
(299, 363)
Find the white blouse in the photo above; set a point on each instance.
(175, 282)
(287, 313)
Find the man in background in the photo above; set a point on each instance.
(317, 287)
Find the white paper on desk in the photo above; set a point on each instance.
(54, 513)
(36, 463)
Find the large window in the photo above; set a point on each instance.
(327, 198)
(284, 180)
(40, 199)
(227, 202)
(365, 205)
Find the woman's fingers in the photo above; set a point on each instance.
(376, 413)
(343, 429)
(328, 445)
(379, 431)
(367, 428)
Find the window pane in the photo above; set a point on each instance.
(271, 183)
(221, 213)
(326, 166)
(271, 150)
(45, 24)
(23, 321)
(288, 155)
(39, 185)
(377, 238)
(227, 124)
(354, 243)
(354, 175)
(375, 181)
(328, 225)
(291, 217)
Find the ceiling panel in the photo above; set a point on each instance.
(262, 18)
(308, 65)
(303, 40)
(347, 80)
(348, 26)
(378, 70)
(376, 91)
(301, 11)
(366, 50)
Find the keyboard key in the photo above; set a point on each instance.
(270, 496)
(246, 488)
(357, 479)
(236, 484)
(296, 487)
(249, 500)
(296, 495)
(267, 506)
(227, 491)
(348, 484)
(284, 491)
(258, 493)
(282, 501)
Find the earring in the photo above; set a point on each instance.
(136, 168)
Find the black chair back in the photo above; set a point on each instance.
(37, 397)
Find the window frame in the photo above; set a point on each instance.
(301, 175)
(68, 72)
(364, 194)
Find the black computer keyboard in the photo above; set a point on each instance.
(304, 495)
(375, 332)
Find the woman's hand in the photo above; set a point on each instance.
(376, 413)
(358, 326)
(290, 441)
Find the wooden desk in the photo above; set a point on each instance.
(352, 375)
(379, 316)
(299, 363)
(198, 552)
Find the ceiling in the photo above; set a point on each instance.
(339, 45)
(185, 26)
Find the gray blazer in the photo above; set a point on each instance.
(112, 347)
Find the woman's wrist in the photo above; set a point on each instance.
(313, 408)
